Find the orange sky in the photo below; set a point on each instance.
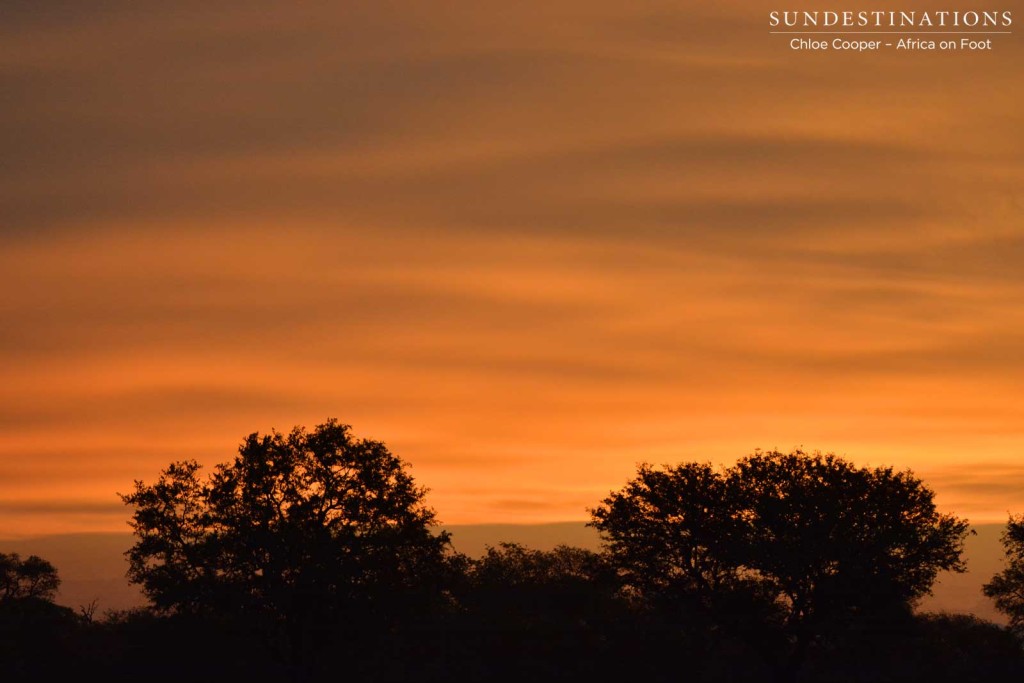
(527, 244)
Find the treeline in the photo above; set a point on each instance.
(545, 627)
(312, 556)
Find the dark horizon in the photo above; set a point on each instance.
(93, 567)
(315, 545)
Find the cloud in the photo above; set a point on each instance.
(62, 507)
(538, 240)
(995, 482)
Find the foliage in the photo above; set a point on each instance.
(301, 531)
(830, 537)
(521, 587)
(32, 577)
(1007, 587)
(672, 530)
(36, 635)
(807, 541)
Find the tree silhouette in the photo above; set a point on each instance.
(1007, 587)
(824, 542)
(673, 532)
(31, 578)
(36, 635)
(835, 543)
(300, 533)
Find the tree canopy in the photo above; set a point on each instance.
(672, 530)
(512, 583)
(1007, 587)
(29, 578)
(304, 528)
(832, 537)
(811, 537)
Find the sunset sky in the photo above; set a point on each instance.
(528, 244)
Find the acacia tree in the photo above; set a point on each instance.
(822, 540)
(299, 532)
(1007, 587)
